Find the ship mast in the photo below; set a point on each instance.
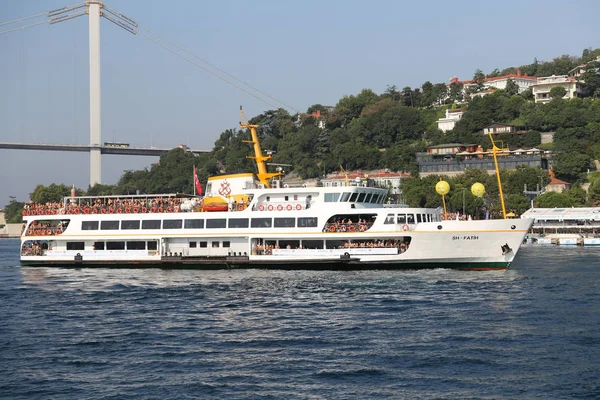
(264, 177)
(494, 150)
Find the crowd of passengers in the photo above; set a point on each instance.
(267, 249)
(106, 206)
(347, 225)
(34, 248)
(39, 228)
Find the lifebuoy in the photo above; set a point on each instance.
(62, 211)
(343, 228)
(43, 232)
(33, 212)
(332, 228)
(289, 207)
(144, 209)
(111, 210)
(94, 211)
(24, 212)
(136, 210)
(240, 207)
(352, 228)
(169, 209)
(86, 210)
(58, 231)
(404, 227)
(54, 212)
(103, 211)
(362, 228)
(153, 209)
(49, 232)
(128, 210)
(279, 207)
(261, 208)
(298, 207)
(160, 209)
(270, 207)
(119, 210)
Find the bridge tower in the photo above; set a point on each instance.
(95, 104)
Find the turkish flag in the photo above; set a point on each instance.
(197, 184)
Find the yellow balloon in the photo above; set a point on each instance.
(477, 189)
(442, 187)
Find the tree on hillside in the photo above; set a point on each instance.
(553, 200)
(558, 92)
(456, 92)
(392, 93)
(350, 107)
(52, 193)
(591, 79)
(511, 87)
(13, 211)
(478, 80)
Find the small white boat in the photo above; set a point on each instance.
(591, 241)
(568, 241)
(544, 241)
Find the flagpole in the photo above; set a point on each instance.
(194, 180)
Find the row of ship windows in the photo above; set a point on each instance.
(217, 223)
(408, 218)
(356, 197)
(140, 245)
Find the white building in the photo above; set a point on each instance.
(541, 89)
(452, 117)
(523, 82)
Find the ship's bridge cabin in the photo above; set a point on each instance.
(301, 198)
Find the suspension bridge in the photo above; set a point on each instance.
(95, 10)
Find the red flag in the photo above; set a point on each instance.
(197, 183)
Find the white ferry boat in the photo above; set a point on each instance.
(242, 223)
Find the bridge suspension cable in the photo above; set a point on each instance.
(217, 68)
(22, 19)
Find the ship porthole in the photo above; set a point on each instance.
(513, 227)
(440, 227)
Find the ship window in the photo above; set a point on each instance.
(336, 244)
(75, 245)
(215, 244)
(331, 197)
(130, 224)
(109, 225)
(374, 198)
(353, 197)
(419, 218)
(137, 245)
(193, 224)
(389, 219)
(287, 198)
(285, 222)
(172, 223)
(89, 225)
(307, 222)
(401, 218)
(368, 198)
(193, 245)
(295, 197)
(238, 222)
(410, 218)
(312, 244)
(98, 245)
(151, 224)
(226, 243)
(345, 196)
(216, 223)
(203, 245)
(152, 245)
(261, 222)
(268, 198)
(361, 197)
(428, 217)
(115, 245)
(289, 244)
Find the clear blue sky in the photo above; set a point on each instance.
(301, 53)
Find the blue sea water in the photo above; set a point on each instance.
(528, 332)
